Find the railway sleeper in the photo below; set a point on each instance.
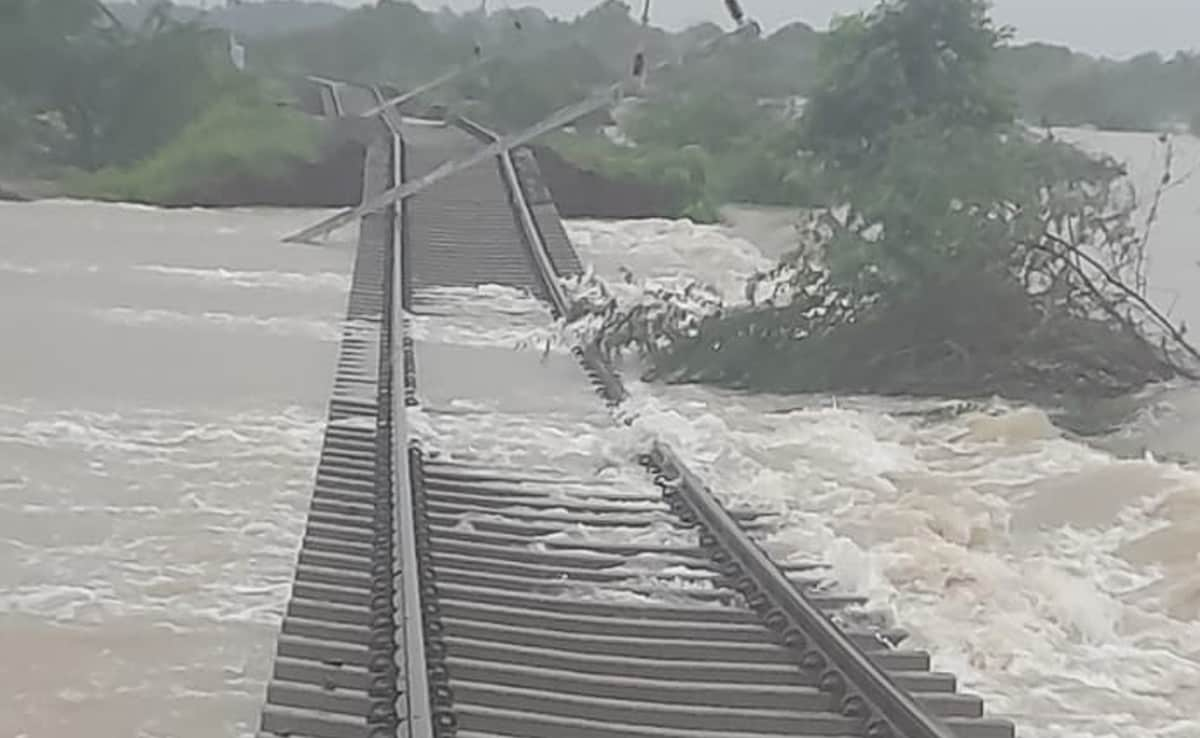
(298, 722)
(696, 651)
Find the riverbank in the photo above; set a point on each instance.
(330, 178)
(24, 189)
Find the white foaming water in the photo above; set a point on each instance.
(158, 430)
(490, 315)
(153, 482)
(1001, 546)
(1055, 579)
(657, 250)
(459, 332)
(491, 394)
(153, 475)
(255, 279)
(322, 330)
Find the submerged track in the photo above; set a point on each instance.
(437, 597)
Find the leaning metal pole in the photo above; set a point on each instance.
(434, 83)
(606, 97)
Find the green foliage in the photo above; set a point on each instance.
(952, 251)
(683, 171)
(706, 119)
(517, 92)
(1056, 86)
(161, 82)
(754, 153)
(394, 42)
(241, 134)
(14, 133)
(782, 65)
(905, 60)
(110, 94)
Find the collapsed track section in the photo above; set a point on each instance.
(439, 597)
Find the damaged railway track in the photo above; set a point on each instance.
(436, 596)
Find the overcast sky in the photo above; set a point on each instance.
(1118, 28)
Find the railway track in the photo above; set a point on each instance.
(436, 596)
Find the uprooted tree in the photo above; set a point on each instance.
(955, 251)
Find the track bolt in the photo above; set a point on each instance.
(813, 661)
(854, 706)
(794, 639)
(879, 729)
(832, 682)
(776, 621)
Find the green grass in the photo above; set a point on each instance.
(236, 136)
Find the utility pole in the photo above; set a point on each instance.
(603, 98)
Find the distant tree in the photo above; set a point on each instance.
(116, 92)
(1063, 87)
(712, 120)
(393, 42)
(517, 92)
(906, 60)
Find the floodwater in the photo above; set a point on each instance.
(161, 396)
(1059, 577)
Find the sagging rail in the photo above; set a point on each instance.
(433, 597)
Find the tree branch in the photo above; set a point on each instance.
(1165, 323)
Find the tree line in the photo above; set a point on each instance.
(718, 130)
(91, 85)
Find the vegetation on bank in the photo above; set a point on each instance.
(949, 250)
(235, 138)
(134, 112)
(721, 129)
(83, 88)
(682, 172)
(1057, 86)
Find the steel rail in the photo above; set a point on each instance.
(464, 648)
(409, 619)
(351, 655)
(331, 85)
(861, 688)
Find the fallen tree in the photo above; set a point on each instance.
(956, 253)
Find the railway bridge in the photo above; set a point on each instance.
(433, 591)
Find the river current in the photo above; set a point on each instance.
(161, 394)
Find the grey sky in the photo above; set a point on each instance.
(1118, 28)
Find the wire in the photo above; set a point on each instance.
(639, 58)
(639, 65)
(735, 11)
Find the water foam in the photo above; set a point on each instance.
(253, 279)
(657, 249)
(290, 326)
(488, 315)
(146, 549)
(47, 268)
(974, 530)
(155, 478)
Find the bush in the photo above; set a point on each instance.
(953, 252)
(240, 134)
(686, 171)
